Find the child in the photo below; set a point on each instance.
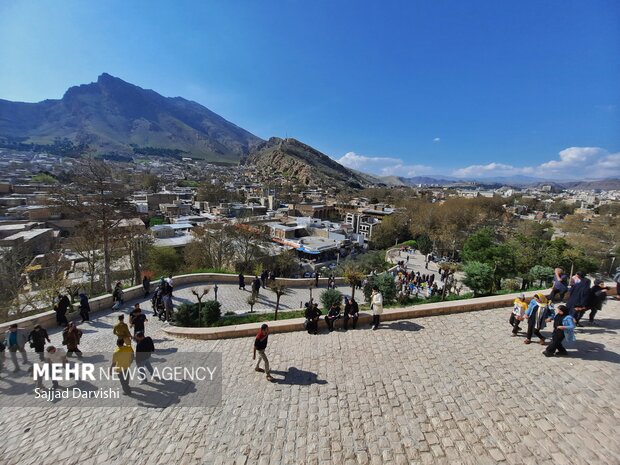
(260, 344)
(563, 328)
(517, 314)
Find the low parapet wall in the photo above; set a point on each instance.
(48, 319)
(415, 311)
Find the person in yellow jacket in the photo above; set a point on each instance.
(518, 313)
(121, 330)
(122, 358)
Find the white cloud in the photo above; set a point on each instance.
(384, 166)
(572, 163)
(437, 139)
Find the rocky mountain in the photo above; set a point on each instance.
(112, 116)
(294, 159)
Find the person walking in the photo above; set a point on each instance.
(351, 312)
(579, 299)
(61, 308)
(144, 349)
(598, 295)
(54, 356)
(260, 344)
(146, 285)
(563, 329)
(84, 307)
(241, 281)
(256, 287)
(317, 275)
(376, 303)
(15, 340)
(536, 315)
(137, 319)
(71, 337)
(122, 358)
(518, 313)
(121, 330)
(263, 278)
(117, 296)
(37, 338)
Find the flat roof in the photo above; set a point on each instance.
(30, 234)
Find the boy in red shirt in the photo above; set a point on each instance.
(260, 344)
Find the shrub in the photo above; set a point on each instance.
(330, 297)
(211, 311)
(478, 277)
(186, 315)
(511, 284)
(386, 285)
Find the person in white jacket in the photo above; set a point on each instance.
(376, 301)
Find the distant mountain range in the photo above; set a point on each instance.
(514, 181)
(112, 116)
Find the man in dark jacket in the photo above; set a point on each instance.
(598, 294)
(144, 349)
(579, 298)
(241, 281)
(61, 310)
(351, 311)
(332, 315)
(312, 316)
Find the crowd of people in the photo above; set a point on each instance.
(564, 307)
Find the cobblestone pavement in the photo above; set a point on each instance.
(453, 389)
(235, 300)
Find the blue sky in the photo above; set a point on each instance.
(436, 87)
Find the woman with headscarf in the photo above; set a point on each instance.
(563, 329)
(536, 315)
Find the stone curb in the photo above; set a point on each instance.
(392, 314)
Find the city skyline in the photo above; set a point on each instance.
(465, 91)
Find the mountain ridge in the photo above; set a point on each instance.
(114, 116)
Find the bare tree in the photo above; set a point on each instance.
(200, 294)
(96, 197)
(211, 248)
(279, 290)
(87, 245)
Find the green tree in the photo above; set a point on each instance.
(386, 285)
(479, 277)
(211, 312)
(425, 245)
(541, 273)
(164, 260)
(354, 277)
(330, 297)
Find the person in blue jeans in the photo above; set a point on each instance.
(144, 349)
(563, 329)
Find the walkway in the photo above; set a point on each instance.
(445, 390)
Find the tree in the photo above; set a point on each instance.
(386, 285)
(13, 264)
(164, 260)
(541, 273)
(200, 294)
(248, 242)
(353, 277)
(95, 196)
(330, 297)
(279, 290)
(478, 277)
(211, 248)
(392, 229)
(212, 312)
(425, 245)
(251, 302)
(88, 246)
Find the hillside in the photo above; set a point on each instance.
(291, 158)
(115, 117)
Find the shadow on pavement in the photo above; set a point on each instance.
(587, 350)
(295, 376)
(401, 326)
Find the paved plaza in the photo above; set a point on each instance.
(448, 390)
